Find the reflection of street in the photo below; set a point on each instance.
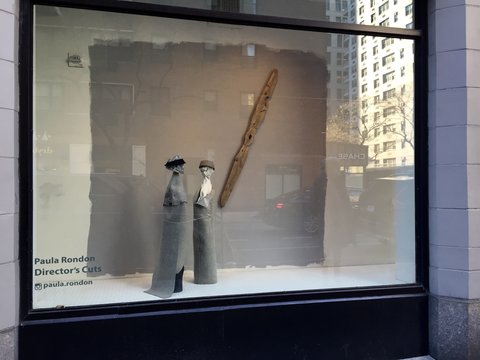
(254, 243)
(367, 246)
(368, 249)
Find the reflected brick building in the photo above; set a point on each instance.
(151, 101)
(195, 99)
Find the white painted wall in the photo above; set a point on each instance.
(8, 166)
(454, 131)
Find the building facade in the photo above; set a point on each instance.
(385, 83)
(453, 258)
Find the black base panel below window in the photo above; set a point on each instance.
(370, 328)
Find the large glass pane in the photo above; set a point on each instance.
(370, 135)
(390, 13)
(325, 195)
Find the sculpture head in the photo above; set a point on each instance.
(176, 164)
(207, 168)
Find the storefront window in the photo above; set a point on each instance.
(138, 122)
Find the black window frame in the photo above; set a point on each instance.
(419, 35)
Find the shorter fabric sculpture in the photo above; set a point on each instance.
(204, 256)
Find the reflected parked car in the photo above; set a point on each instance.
(298, 210)
(294, 211)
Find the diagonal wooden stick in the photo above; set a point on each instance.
(256, 119)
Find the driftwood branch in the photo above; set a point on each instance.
(256, 119)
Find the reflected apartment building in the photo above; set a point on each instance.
(370, 127)
(385, 73)
(384, 84)
(371, 81)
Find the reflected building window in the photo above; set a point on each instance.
(248, 55)
(243, 6)
(390, 162)
(385, 22)
(226, 5)
(388, 94)
(390, 76)
(408, 9)
(383, 8)
(387, 42)
(388, 111)
(386, 60)
(249, 6)
(247, 101)
(389, 145)
(390, 128)
(248, 50)
(282, 179)
(339, 59)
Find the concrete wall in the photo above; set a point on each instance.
(454, 133)
(8, 178)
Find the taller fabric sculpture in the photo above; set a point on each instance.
(168, 275)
